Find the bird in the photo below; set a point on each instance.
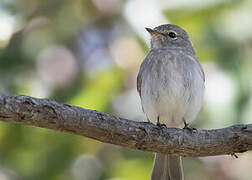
(170, 83)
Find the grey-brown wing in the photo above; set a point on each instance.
(143, 67)
(140, 74)
(201, 70)
(139, 82)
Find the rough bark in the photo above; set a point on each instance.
(107, 128)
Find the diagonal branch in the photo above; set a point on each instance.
(135, 135)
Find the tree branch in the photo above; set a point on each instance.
(135, 135)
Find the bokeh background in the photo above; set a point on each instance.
(87, 53)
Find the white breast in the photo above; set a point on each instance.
(172, 92)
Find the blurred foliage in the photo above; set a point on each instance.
(87, 53)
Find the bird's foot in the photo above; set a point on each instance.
(186, 126)
(234, 155)
(159, 124)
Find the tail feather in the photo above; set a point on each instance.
(167, 167)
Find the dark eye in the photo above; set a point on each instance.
(172, 35)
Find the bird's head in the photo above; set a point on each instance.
(169, 35)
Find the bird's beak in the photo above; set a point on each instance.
(152, 32)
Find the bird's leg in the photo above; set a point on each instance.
(186, 126)
(159, 124)
(234, 155)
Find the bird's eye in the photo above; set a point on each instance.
(172, 35)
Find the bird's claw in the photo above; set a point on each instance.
(186, 126)
(159, 124)
(234, 155)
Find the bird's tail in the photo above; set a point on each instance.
(167, 167)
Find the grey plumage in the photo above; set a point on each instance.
(171, 86)
(167, 167)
